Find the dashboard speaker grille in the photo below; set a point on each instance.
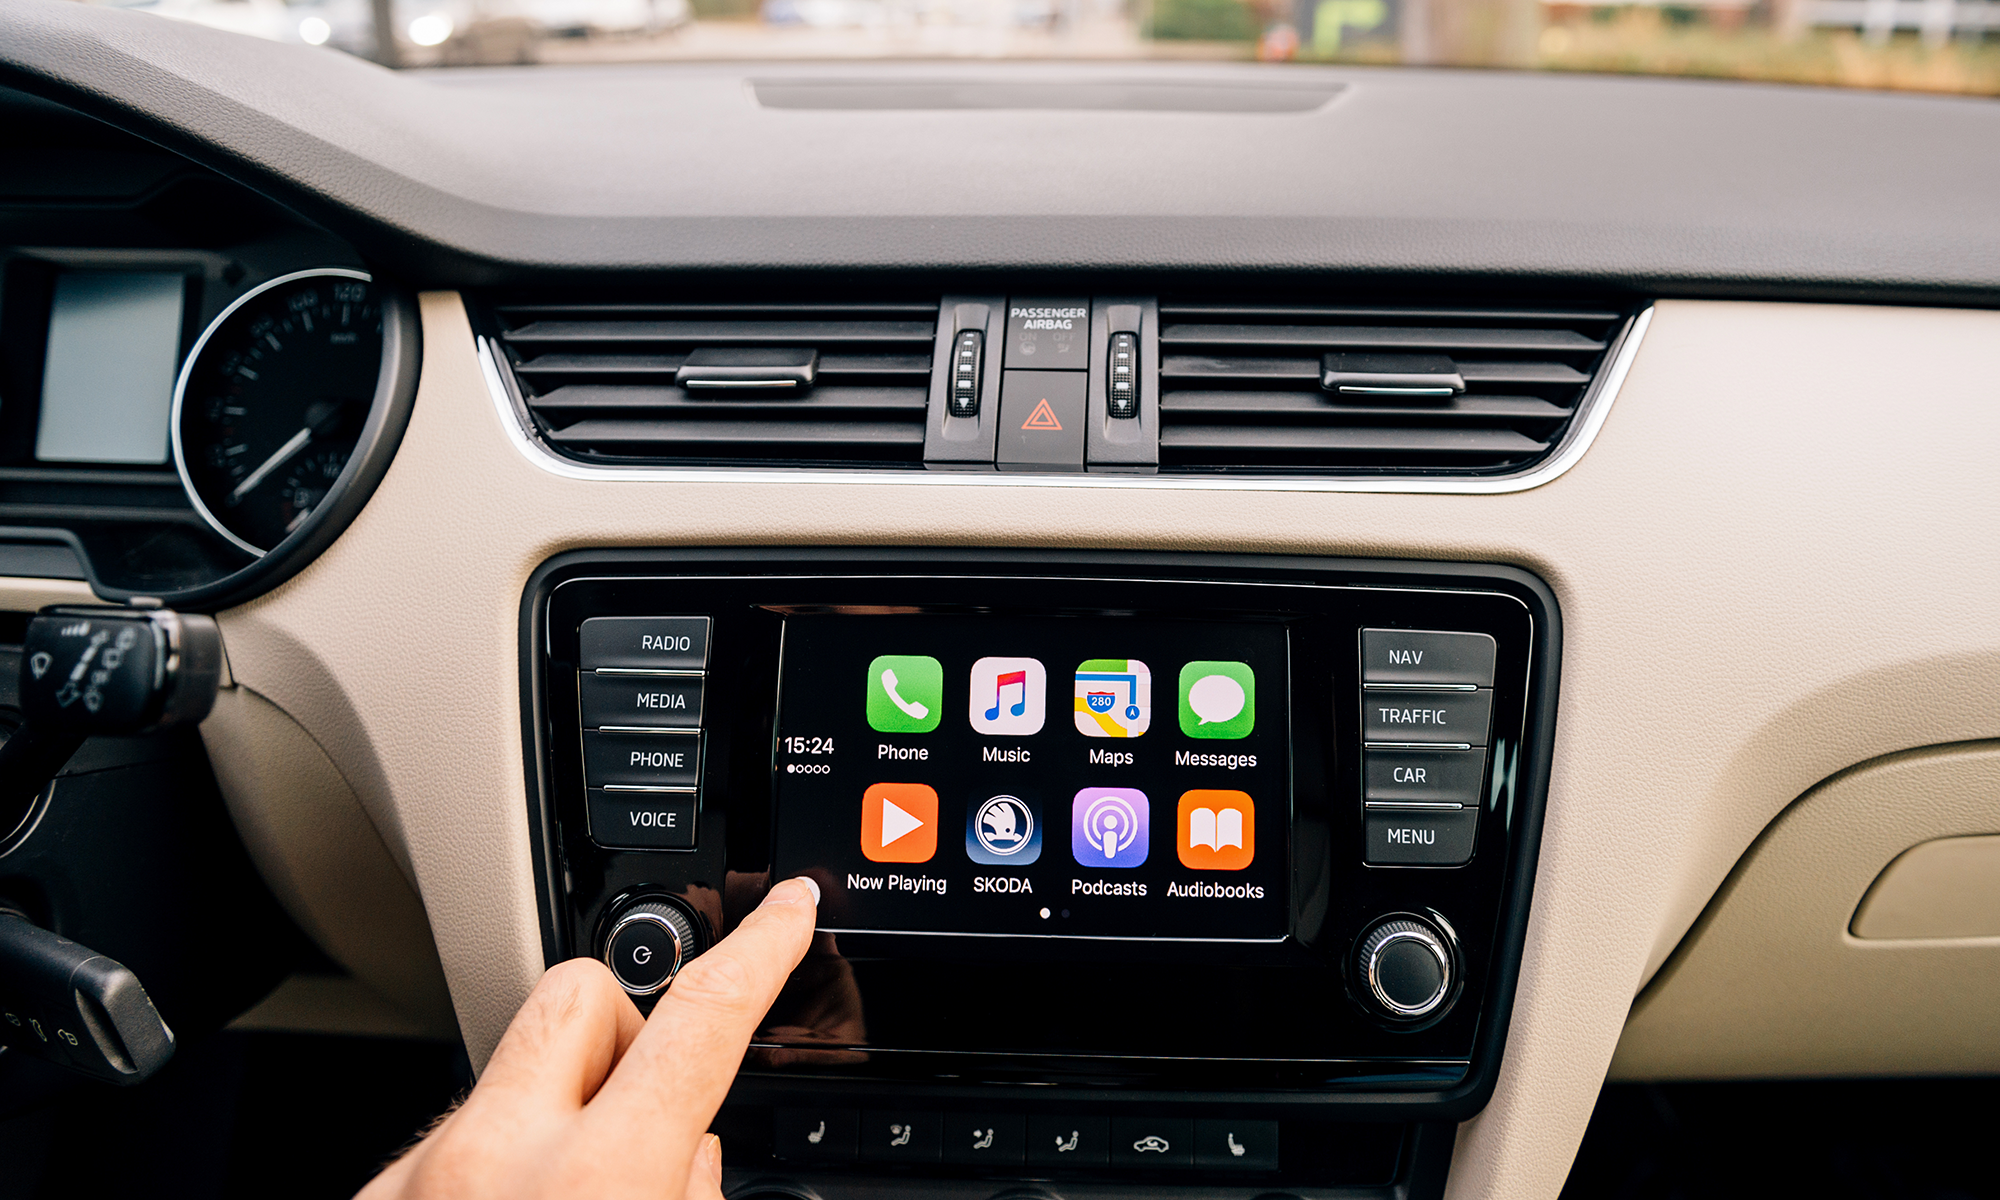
(1254, 388)
(613, 383)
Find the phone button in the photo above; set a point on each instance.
(1236, 1145)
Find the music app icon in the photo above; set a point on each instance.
(1009, 696)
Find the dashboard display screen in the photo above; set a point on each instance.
(1071, 777)
(108, 377)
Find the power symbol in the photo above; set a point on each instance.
(642, 955)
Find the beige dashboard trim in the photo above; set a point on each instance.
(1593, 409)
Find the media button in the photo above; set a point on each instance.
(662, 759)
(900, 1136)
(643, 643)
(1150, 1142)
(639, 701)
(816, 1134)
(983, 1139)
(1411, 715)
(1069, 1141)
(1236, 1145)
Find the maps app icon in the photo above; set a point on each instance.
(1114, 698)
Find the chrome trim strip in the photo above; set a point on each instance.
(633, 787)
(1417, 746)
(1419, 687)
(1411, 804)
(1583, 428)
(646, 671)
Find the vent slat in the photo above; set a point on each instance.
(819, 403)
(642, 365)
(1241, 312)
(1320, 408)
(1289, 439)
(766, 435)
(721, 333)
(1349, 337)
(1183, 367)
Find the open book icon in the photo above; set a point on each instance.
(1207, 827)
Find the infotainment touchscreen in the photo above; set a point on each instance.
(1116, 778)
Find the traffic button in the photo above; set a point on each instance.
(1409, 715)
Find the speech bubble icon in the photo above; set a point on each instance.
(1216, 698)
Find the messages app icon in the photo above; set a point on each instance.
(905, 693)
(1218, 700)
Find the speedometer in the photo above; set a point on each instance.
(273, 401)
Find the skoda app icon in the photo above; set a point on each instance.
(1109, 827)
(1002, 831)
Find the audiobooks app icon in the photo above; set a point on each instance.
(899, 823)
(1217, 831)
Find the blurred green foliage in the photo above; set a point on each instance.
(724, 9)
(1203, 21)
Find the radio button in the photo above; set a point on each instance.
(1410, 715)
(1420, 838)
(1429, 776)
(815, 1134)
(642, 759)
(642, 820)
(1146, 1142)
(1069, 1141)
(648, 701)
(1236, 1145)
(900, 1136)
(644, 643)
(1412, 656)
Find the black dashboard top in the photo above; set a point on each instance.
(1639, 186)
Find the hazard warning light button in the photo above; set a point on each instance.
(1041, 421)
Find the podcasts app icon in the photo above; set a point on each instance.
(1109, 827)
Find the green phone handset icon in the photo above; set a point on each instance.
(905, 693)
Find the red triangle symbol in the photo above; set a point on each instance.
(1043, 417)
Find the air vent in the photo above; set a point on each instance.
(1372, 390)
(725, 384)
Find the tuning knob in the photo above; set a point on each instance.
(649, 943)
(1405, 965)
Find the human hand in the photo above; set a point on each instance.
(583, 1097)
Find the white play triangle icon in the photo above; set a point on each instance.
(896, 823)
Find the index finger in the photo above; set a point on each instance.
(673, 1078)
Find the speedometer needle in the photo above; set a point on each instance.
(293, 445)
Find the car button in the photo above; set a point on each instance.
(980, 1139)
(1425, 776)
(900, 1136)
(642, 759)
(642, 820)
(1236, 1145)
(640, 701)
(1069, 1141)
(815, 1134)
(643, 643)
(1416, 656)
(1148, 1142)
(1421, 838)
(1409, 715)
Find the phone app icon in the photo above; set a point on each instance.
(905, 693)
(1002, 831)
(1217, 831)
(1010, 696)
(1218, 699)
(899, 822)
(1109, 827)
(1114, 697)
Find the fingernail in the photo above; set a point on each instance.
(711, 1153)
(777, 897)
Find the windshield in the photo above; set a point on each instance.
(1919, 45)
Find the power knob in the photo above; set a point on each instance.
(649, 943)
(1405, 966)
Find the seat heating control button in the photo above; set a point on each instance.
(1422, 837)
(1149, 1142)
(1122, 382)
(1401, 715)
(642, 759)
(1428, 776)
(1236, 1145)
(900, 1136)
(1406, 967)
(1415, 656)
(649, 943)
(645, 701)
(984, 1139)
(1069, 1141)
(642, 820)
(643, 643)
(815, 1134)
(967, 356)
